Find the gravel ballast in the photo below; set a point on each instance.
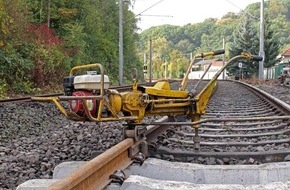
(35, 137)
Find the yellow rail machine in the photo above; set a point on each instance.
(90, 98)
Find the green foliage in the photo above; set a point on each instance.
(54, 36)
(181, 42)
(3, 88)
(15, 65)
(240, 35)
(177, 65)
(41, 40)
(275, 15)
(50, 66)
(25, 87)
(271, 45)
(245, 40)
(75, 43)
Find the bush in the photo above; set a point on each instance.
(23, 87)
(3, 89)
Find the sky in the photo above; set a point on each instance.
(182, 12)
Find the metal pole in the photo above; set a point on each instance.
(224, 57)
(121, 56)
(261, 52)
(145, 66)
(197, 84)
(165, 66)
(150, 64)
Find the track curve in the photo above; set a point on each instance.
(233, 142)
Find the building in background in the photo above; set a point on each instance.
(280, 68)
(201, 66)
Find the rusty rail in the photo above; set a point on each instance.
(95, 174)
(28, 98)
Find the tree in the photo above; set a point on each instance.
(245, 40)
(178, 64)
(41, 40)
(271, 45)
(160, 56)
(15, 64)
(276, 14)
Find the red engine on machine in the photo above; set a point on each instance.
(84, 85)
(77, 105)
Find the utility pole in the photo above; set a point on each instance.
(150, 59)
(145, 68)
(121, 56)
(165, 69)
(261, 52)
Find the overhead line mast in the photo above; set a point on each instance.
(261, 52)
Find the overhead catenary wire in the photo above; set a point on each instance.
(159, 15)
(242, 10)
(139, 14)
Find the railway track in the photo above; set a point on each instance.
(231, 137)
(241, 126)
(28, 98)
(25, 99)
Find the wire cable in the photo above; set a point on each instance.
(242, 10)
(139, 14)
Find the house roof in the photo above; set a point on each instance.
(286, 53)
(205, 61)
(215, 62)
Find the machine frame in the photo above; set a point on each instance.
(142, 101)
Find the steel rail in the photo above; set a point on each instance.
(153, 131)
(28, 98)
(278, 103)
(95, 174)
